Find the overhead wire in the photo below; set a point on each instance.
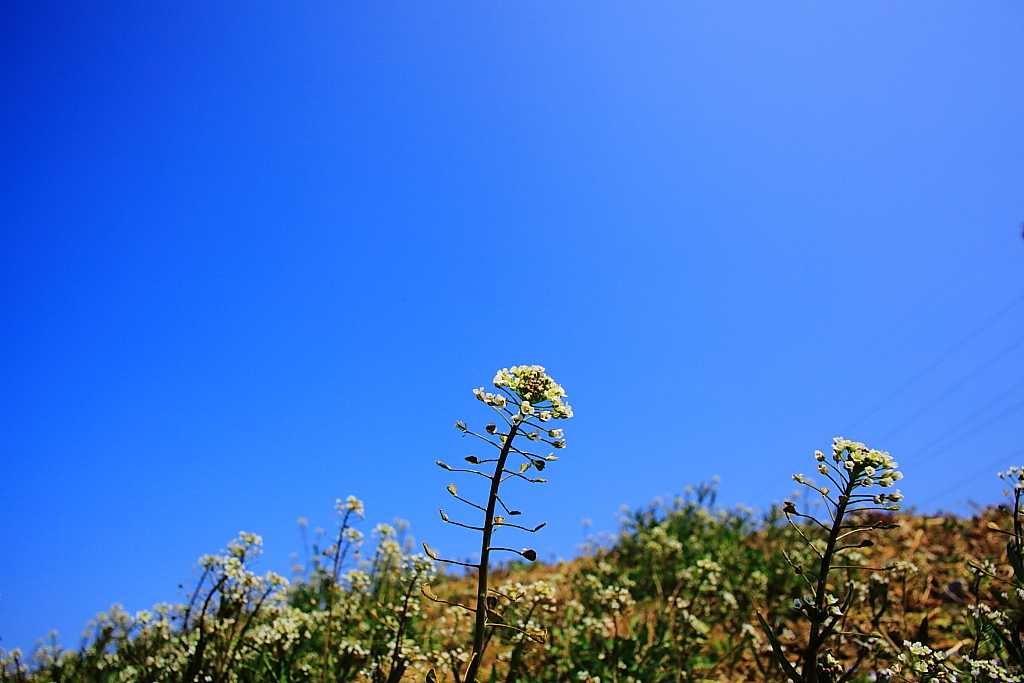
(977, 473)
(945, 436)
(934, 364)
(945, 440)
(1012, 409)
(963, 380)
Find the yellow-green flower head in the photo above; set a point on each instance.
(533, 386)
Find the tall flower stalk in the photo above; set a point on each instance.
(337, 553)
(527, 400)
(855, 470)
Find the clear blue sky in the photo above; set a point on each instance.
(255, 255)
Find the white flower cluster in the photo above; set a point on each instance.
(863, 466)
(860, 461)
(919, 662)
(496, 400)
(534, 387)
(350, 505)
(1015, 476)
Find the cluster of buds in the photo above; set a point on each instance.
(529, 387)
(527, 393)
(870, 465)
(862, 467)
(1014, 476)
(493, 400)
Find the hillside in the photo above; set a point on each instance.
(675, 598)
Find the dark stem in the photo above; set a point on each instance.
(339, 557)
(818, 635)
(485, 552)
(397, 665)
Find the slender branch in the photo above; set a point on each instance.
(447, 520)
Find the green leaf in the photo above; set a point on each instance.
(780, 656)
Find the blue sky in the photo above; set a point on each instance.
(254, 257)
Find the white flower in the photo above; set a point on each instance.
(353, 504)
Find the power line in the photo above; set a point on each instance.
(987, 468)
(977, 429)
(956, 347)
(964, 380)
(956, 428)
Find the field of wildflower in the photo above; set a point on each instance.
(838, 584)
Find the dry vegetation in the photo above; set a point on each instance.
(673, 599)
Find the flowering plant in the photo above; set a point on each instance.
(856, 471)
(526, 397)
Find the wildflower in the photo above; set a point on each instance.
(530, 383)
(561, 410)
(353, 504)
